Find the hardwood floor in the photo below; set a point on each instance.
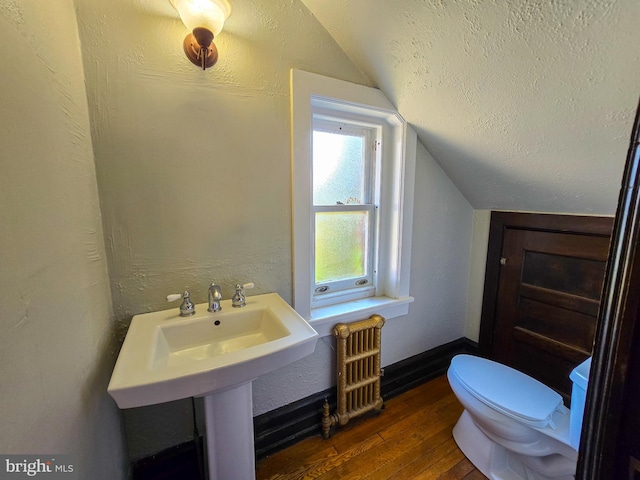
(410, 439)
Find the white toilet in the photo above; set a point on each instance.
(514, 427)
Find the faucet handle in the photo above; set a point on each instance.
(187, 308)
(239, 299)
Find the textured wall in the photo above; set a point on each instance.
(442, 233)
(194, 167)
(194, 178)
(527, 105)
(56, 347)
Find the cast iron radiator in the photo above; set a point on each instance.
(358, 371)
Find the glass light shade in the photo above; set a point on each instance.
(209, 14)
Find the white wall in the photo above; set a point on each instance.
(194, 175)
(477, 267)
(56, 347)
(442, 232)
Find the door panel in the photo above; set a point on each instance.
(576, 276)
(565, 326)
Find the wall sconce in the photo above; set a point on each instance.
(205, 19)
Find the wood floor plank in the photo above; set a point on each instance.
(307, 451)
(448, 460)
(450, 411)
(475, 475)
(396, 410)
(410, 439)
(393, 448)
(425, 458)
(363, 467)
(342, 438)
(458, 471)
(289, 461)
(416, 459)
(425, 415)
(322, 469)
(426, 393)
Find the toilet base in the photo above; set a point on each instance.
(498, 463)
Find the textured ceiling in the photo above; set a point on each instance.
(527, 105)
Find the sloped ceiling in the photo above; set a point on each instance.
(527, 105)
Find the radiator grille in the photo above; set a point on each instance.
(358, 371)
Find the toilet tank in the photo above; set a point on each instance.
(580, 378)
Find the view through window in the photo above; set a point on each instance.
(344, 206)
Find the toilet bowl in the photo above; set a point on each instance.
(514, 427)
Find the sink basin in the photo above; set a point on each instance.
(197, 339)
(166, 357)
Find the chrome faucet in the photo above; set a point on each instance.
(215, 297)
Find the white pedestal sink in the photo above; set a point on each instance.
(166, 357)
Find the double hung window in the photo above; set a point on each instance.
(353, 169)
(344, 209)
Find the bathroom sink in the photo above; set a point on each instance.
(194, 340)
(166, 357)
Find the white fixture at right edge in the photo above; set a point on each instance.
(215, 355)
(514, 427)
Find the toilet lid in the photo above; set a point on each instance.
(507, 390)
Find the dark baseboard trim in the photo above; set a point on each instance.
(182, 461)
(413, 371)
(291, 423)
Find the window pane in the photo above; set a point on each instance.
(338, 168)
(341, 245)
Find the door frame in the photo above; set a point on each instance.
(500, 222)
(617, 330)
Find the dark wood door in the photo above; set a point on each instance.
(548, 282)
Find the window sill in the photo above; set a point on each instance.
(323, 319)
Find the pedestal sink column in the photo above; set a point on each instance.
(229, 434)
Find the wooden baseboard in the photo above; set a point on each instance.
(182, 461)
(413, 371)
(291, 423)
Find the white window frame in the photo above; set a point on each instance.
(312, 93)
(346, 290)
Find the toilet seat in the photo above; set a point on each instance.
(508, 391)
